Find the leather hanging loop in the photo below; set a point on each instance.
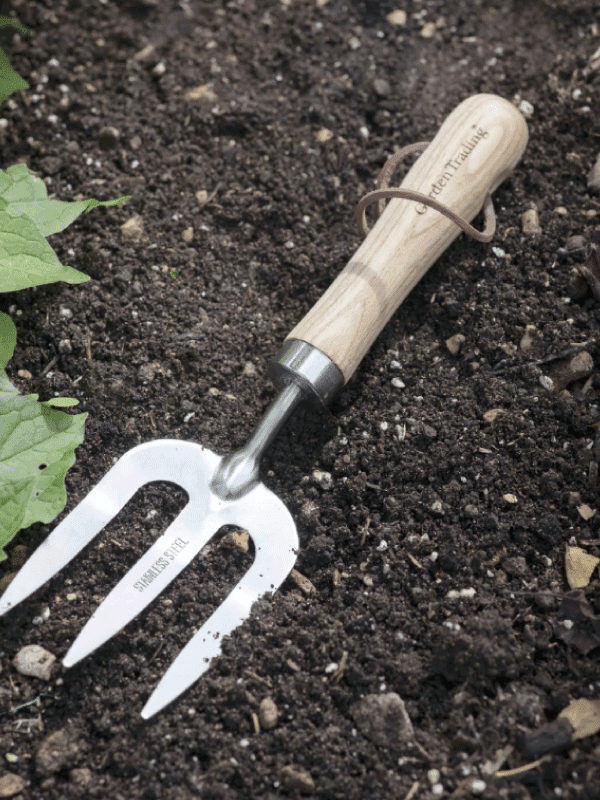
(383, 192)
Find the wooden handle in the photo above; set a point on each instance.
(474, 151)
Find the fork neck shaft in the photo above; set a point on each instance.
(304, 373)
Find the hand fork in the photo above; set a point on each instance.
(475, 149)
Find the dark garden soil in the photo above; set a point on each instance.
(436, 551)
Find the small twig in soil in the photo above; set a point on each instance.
(365, 531)
(511, 773)
(413, 560)
(156, 652)
(341, 668)
(47, 368)
(253, 676)
(412, 791)
(211, 196)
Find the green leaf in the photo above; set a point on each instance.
(26, 258)
(25, 193)
(62, 402)
(10, 81)
(8, 339)
(37, 447)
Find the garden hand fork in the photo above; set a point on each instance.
(477, 146)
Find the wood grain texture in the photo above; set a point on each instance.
(476, 148)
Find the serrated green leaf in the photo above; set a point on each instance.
(25, 193)
(8, 339)
(37, 447)
(10, 81)
(26, 258)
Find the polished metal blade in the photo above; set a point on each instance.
(276, 544)
(162, 460)
(259, 510)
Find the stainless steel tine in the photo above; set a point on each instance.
(178, 546)
(139, 466)
(275, 557)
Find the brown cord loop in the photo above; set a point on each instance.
(383, 193)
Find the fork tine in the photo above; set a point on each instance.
(77, 529)
(153, 572)
(265, 575)
(275, 543)
(185, 463)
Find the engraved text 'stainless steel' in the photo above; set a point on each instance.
(475, 149)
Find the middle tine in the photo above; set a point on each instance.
(153, 572)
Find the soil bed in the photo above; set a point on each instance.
(437, 549)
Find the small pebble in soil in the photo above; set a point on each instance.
(294, 779)
(268, 714)
(324, 135)
(530, 222)
(324, 479)
(397, 17)
(455, 343)
(133, 229)
(433, 776)
(10, 785)
(42, 617)
(527, 338)
(383, 719)
(398, 384)
(58, 751)
(34, 662)
(81, 776)
(526, 108)
(491, 415)
(381, 87)
(570, 370)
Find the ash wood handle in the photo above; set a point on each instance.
(476, 148)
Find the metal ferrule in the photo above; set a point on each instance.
(308, 367)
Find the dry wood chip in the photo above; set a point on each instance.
(306, 587)
(203, 92)
(491, 415)
(255, 723)
(579, 566)
(586, 512)
(237, 540)
(584, 716)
